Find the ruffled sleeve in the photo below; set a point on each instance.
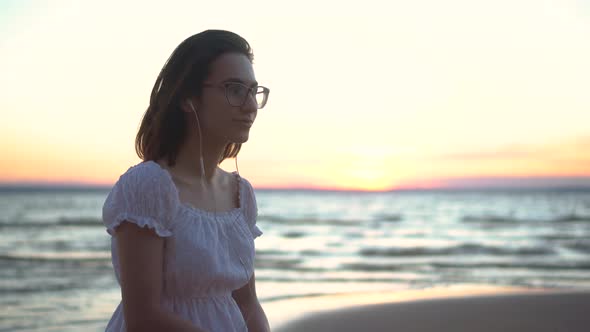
(251, 210)
(143, 196)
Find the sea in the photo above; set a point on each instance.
(56, 272)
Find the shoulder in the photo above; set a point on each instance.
(249, 193)
(232, 177)
(145, 172)
(144, 183)
(143, 195)
(145, 178)
(145, 168)
(245, 183)
(252, 208)
(240, 178)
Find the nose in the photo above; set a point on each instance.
(251, 105)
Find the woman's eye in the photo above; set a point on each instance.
(236, 90)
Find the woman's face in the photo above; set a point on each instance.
(220, 120)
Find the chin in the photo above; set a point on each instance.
(240, 138)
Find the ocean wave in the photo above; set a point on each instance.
(35, 288)
(311, 252)
(371, 267)
(463, 249)
(322, 279)
(73, 222)
(308, 221)
(571, 218)
(388, 217)
(558, 237)
(271, 252)
(56, 256)
(491, 219)
(80, 222)
(582, 246)
(293, 234)
(512, 220)
(562, 265)
(310, 295)
(290, 267)
(291, 296)
(278, 263)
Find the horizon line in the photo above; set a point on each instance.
(84, 186)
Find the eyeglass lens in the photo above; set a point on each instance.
(237, 94)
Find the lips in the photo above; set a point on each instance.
(245, 122)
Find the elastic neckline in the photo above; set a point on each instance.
(201, 211)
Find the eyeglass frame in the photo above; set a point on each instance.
(223, 85)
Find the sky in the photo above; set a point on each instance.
(371, 95)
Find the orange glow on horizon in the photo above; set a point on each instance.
(353, 172)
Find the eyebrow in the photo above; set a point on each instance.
(238, 80)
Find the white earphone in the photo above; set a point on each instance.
(190, 103)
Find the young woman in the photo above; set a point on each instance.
(183, 229)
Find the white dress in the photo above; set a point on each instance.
(207, 255)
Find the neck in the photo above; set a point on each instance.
(188, 160)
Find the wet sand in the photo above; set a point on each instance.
(458, 308)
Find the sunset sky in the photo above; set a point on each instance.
(368, 95)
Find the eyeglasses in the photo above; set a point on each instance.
(237, 93)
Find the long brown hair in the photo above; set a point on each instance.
(162, 129)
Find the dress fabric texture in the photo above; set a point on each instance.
(207, 255)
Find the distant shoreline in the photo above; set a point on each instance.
(10, 187)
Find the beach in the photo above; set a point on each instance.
(56, 272)
(457, 308)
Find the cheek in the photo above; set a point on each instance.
(215, 109)
(214, 101)
(219, 118)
